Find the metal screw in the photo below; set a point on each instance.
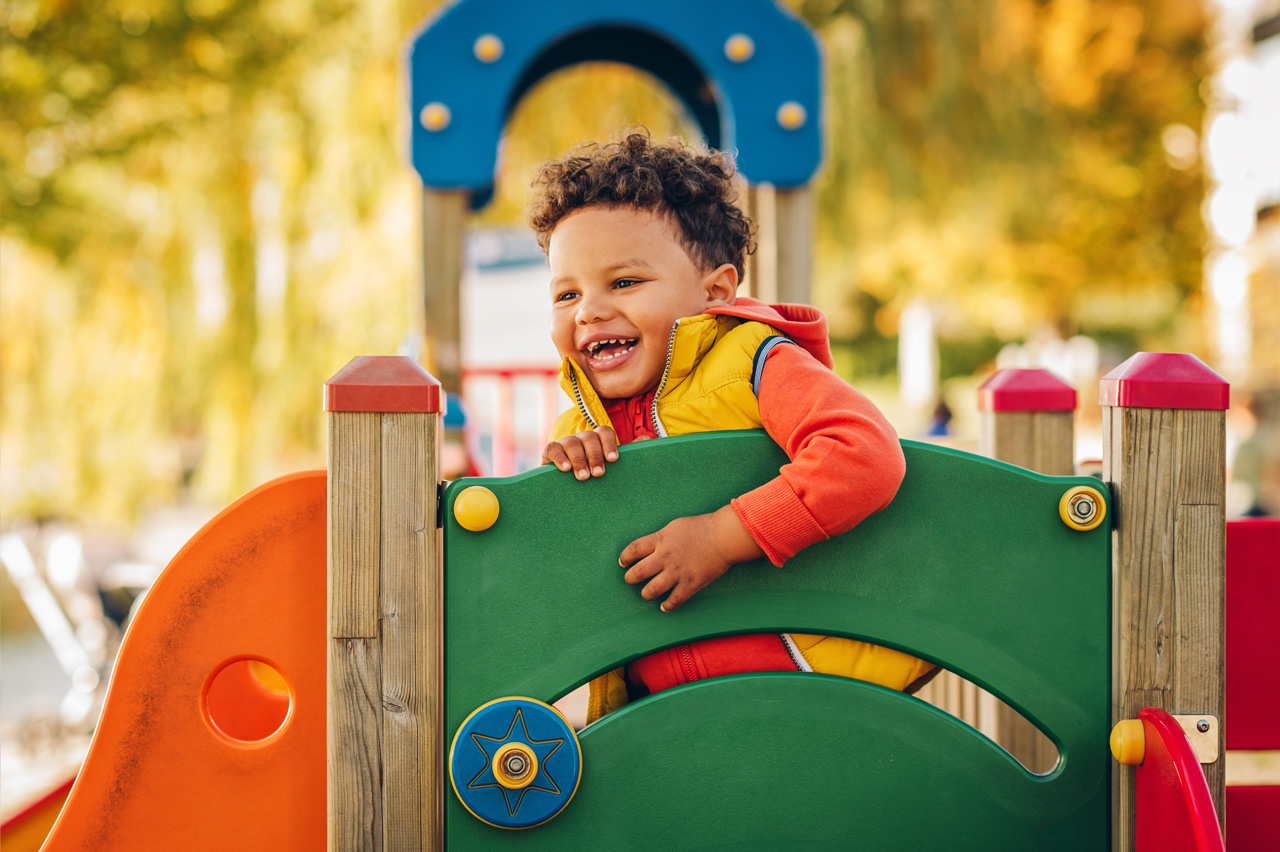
(1084, 508)
(516, 765)
(1203, 726)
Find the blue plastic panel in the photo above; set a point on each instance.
(680, 42)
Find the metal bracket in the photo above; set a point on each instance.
(1202, 733)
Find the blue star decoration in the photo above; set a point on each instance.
(542, 749)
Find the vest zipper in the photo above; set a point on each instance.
(658, 428)
(797, 659)
(577, 395)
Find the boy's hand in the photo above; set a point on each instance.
(687, 554)
(584, 453)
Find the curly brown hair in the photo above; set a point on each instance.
(691, 187)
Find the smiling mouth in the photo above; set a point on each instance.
(607, 350)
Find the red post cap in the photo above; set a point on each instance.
(1026, 390)
(1164, 380)
(382, 383)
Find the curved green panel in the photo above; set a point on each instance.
(797, 762)
(969, 566)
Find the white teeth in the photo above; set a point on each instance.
(595, 345)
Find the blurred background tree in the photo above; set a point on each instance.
(208, 211)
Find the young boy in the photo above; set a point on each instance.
(646, 247)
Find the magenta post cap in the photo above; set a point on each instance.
(383, 383)
(1026, 390)
(1164, 380)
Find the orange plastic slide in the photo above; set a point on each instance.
(213, 734)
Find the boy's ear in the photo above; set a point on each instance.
(721, 285)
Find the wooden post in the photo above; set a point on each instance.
(1027, 419)
(762, 269)
(444, 222)
(1164, 454)
(781, 270)
(794, 211)
(384, 738)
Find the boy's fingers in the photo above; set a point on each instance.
(554, 453)
(577, 456)
(636, 550)
(609, 439)
(681, 593)
(594, 449)
(658, 586)
(641, 571)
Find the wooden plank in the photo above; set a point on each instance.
(1167, 470)
(1043, 441)
(751, 268)
(764, 212)
(354, 695)
(1200, 586)
(410, 743)
(795, 241)
(1054, 444)
(444, 220)
(354, 505)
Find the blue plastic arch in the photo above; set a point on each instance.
(682, 43)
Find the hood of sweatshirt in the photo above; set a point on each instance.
(803, 324)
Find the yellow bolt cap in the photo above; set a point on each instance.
(792, 115)
(488, 48)
(476, 508)
(435, 116)
(739, 48)
(1129, 742)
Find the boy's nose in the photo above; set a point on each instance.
(593, 308)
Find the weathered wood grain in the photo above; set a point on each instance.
(354, 697)
(1167, 470)
(1043, 441)
(410, 743)
(355, 441)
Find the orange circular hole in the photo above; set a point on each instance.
(247, 700)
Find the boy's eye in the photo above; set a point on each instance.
(566, 296)
(626, 282)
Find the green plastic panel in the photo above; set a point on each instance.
(970, 566)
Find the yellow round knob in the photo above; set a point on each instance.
(435, 116)
(476, 508)
(1129, 742)
(792, 115)
(488, 48)
(1082, 508)
(739, 48)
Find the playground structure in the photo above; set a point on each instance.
(978, 565)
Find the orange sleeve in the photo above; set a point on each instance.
(846, 462)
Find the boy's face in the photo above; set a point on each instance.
(619, 281)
